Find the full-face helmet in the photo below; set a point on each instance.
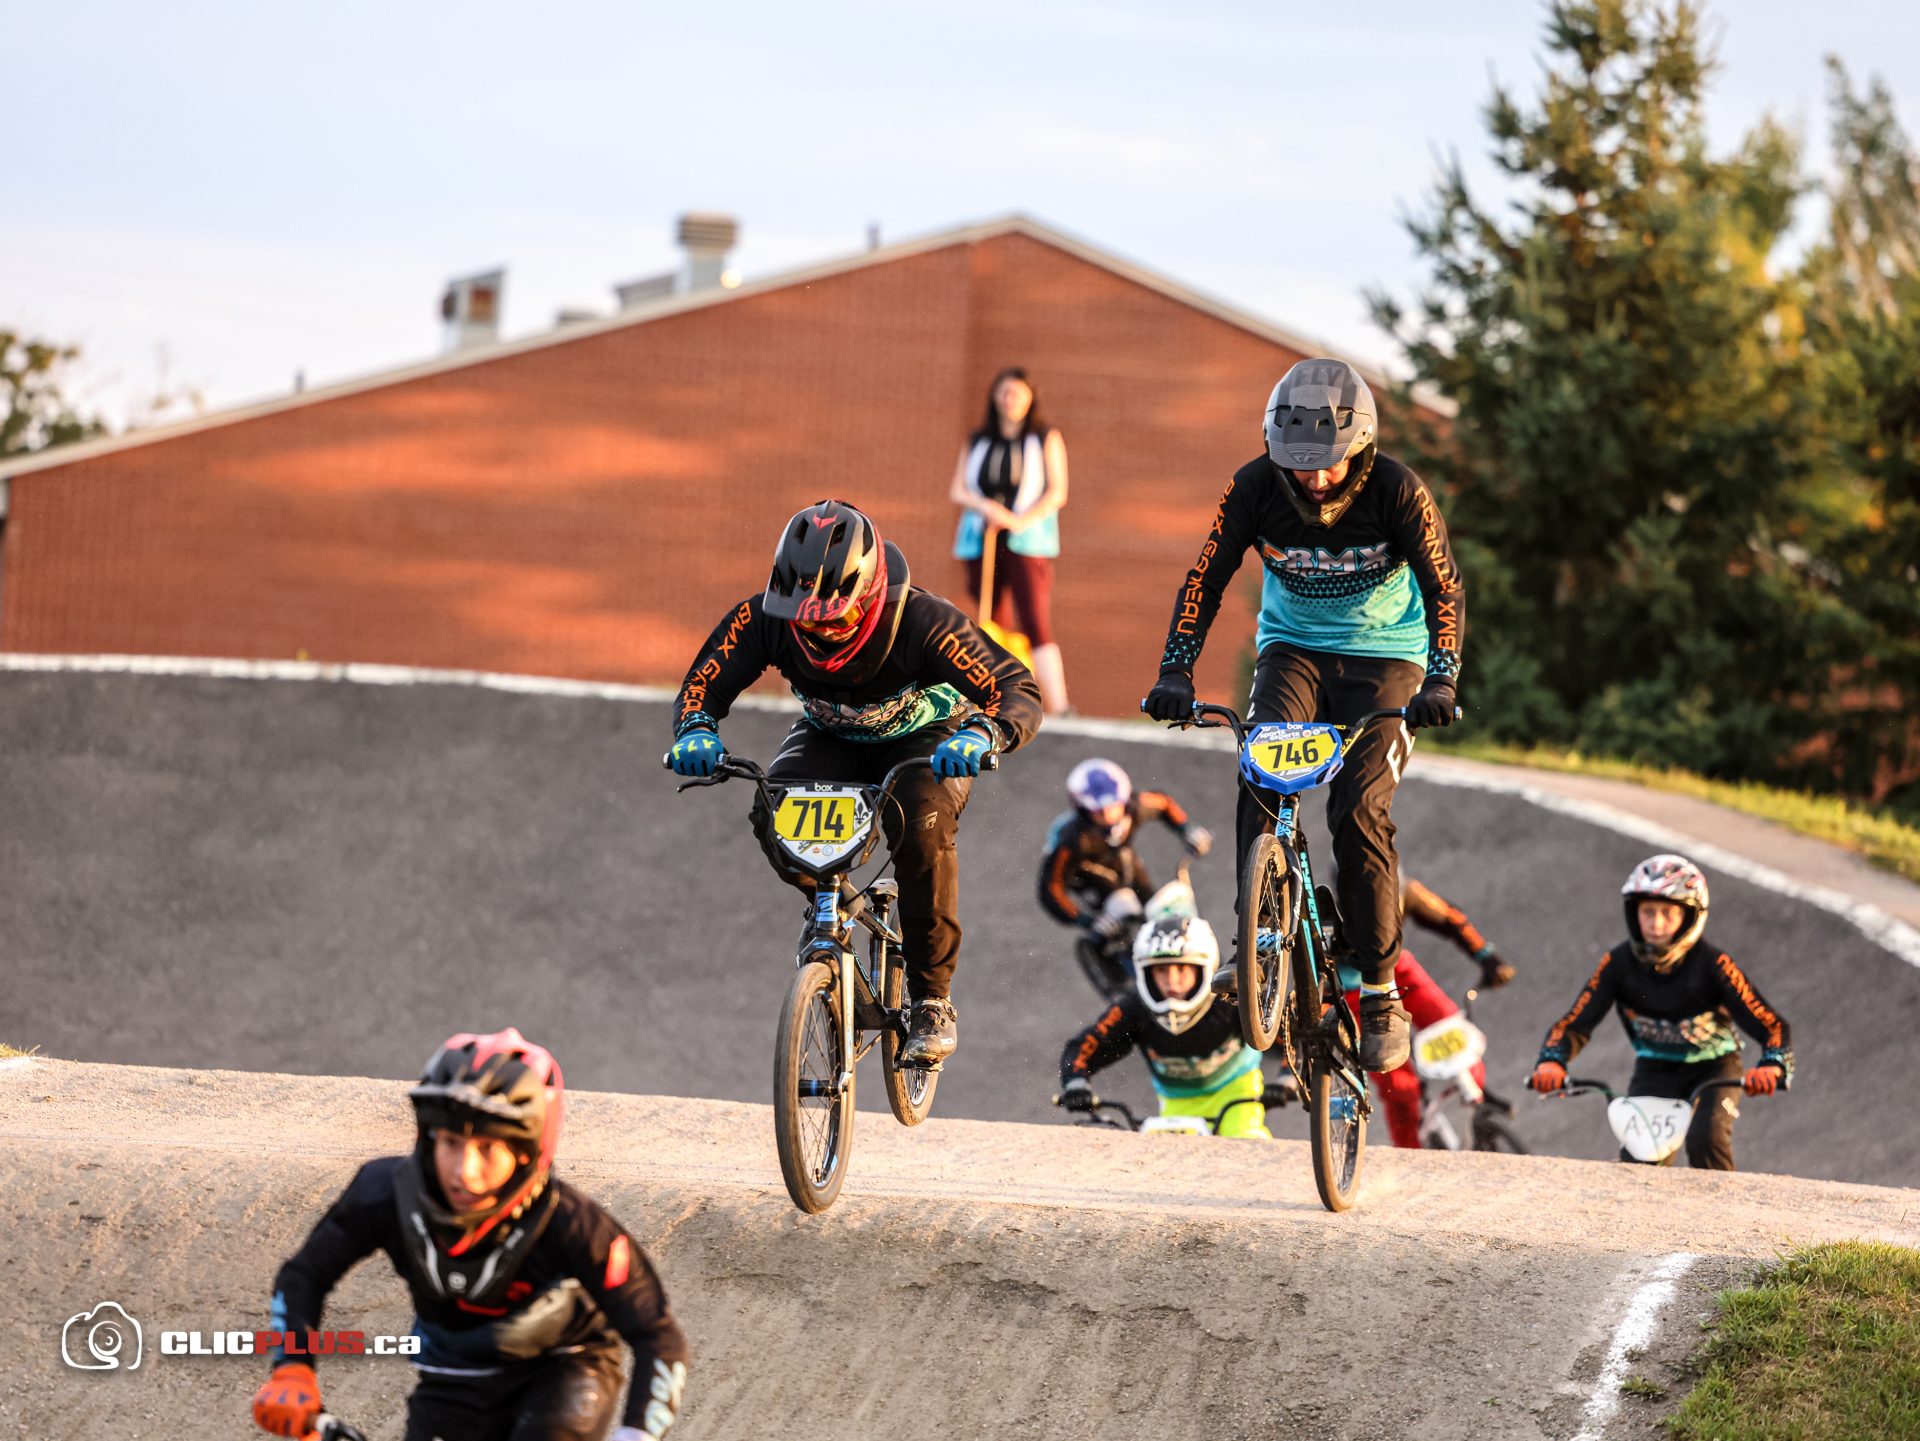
(1169, 941)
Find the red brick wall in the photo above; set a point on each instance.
(591, 508)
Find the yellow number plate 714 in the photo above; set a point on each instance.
(819, 824)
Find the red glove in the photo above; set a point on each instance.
(289, 1403)
(1548, 1076)
(1762, 1081)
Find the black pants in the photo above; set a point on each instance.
(1710, 1136)
(920, 830)
(557, 1398)
(1290, 684)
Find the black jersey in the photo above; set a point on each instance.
(1082, 866)
(584, 1285)
(938, 666)
(1682, 1015)
(1193, 1062)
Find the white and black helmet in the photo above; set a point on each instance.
(1320, 414)
(1164, 941)
(1666, 878)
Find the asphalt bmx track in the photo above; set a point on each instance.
(325, 878)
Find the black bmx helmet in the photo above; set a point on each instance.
(839, 586)
(1321, 413)
(499, 1085)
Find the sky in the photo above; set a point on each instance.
(218, 196)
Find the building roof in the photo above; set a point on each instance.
(1014, 224)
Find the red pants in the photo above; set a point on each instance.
(1022, 592)
(1399, 1089)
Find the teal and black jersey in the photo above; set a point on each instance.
(1198, 1061)
(1379, 581)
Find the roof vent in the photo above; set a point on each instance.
(707, 238)
(471, 309)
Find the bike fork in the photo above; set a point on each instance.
(827, 920)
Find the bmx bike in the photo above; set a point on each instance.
(1107, 962)
(1119, 1116)
(1444, 1055)
(840, 1005)
(1650, 1129)
(1288, 985)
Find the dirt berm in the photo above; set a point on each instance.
(975, 1280)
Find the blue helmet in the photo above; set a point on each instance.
(1097, 784)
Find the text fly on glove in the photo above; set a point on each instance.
(696, 755)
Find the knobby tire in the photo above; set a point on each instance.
(813, 1136)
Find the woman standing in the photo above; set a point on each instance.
(1010, 483)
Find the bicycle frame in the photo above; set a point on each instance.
(1315, 935)
(832, 919)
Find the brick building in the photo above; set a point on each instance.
(587, 503)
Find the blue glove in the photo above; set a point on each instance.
(697, 754)
(960, 754)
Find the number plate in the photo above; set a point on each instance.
(1177, 1125)
(822, 824)
(1448, 1048)
(1291, 757)
(1649, 1128)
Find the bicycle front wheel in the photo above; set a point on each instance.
(1492, 1134)
(1339, 1135)
(1266, 933)
(812, 1113)
(909, 1088)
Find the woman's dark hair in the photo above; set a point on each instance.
(1033, 425)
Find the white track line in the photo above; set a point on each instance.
(1635, 1330)
(1889, 932)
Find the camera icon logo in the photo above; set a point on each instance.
(101, 1339)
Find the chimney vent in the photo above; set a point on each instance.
(707, 238)
(471, 309)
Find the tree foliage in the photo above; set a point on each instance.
(1646, 487)
(34, 411)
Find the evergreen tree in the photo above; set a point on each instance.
(1629, 461)
(1865, 325)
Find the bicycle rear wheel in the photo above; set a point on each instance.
(1266, 936)
(909, 1088)
(812, 1126)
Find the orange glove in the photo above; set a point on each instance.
(1548, 1076)
(1762, 1081)
(289, 1403)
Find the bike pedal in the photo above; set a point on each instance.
(1225, 983)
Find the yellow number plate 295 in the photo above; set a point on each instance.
(1447, 1048)
(822, 824)
(1292, 757)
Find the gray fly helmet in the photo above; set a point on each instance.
(1320, 414)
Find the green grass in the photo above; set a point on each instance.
(1882, 839)
(1824, 1347)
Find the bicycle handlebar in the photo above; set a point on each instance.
(1582, 1086)
(1207, 716)
(733, 767)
